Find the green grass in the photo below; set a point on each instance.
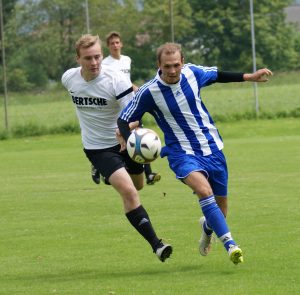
(62, 234)
(51, 111)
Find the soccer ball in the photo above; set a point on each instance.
(143, 145)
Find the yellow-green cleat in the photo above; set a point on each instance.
(235, 254)
(153, 178)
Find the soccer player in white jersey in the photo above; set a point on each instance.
(116, 59)
(119, 62)
(193, 144)
(99, 94)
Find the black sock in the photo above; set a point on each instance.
(140, 220)
(147, 169)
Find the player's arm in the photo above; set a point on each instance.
(124, 131)
(137, 107)
(135, 88)
(258, 76)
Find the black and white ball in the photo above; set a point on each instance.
(143, 145)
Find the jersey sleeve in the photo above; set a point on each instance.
(137, 107)
(66, 78)
(205, 75)
(123, 89)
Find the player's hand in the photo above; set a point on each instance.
(258, 76)
(134, 125)
(120, 138)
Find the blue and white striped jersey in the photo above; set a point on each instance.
(179, 111)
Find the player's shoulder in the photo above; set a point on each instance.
(188, 66)
(112, 73)
(125, 58)
(148, 88)
(107, 60)
(190, 70)
(69, 74)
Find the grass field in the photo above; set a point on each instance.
(62, 234)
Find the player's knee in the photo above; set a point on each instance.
(131, 200)
(203, 192)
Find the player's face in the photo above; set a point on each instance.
(90, 60)
(170, 66)
(115, 45)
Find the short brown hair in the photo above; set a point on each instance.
(86, 41)
(168, 48)
(113, 34)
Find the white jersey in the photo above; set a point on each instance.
(123, 64)
(98, 104)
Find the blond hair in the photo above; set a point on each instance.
(86, 41)
(168, 48)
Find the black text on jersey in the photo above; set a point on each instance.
(81, 101)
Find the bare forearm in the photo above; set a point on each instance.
(258, 76)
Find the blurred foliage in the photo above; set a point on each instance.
(40, 35)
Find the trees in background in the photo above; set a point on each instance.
(223, 34)
(40, 34)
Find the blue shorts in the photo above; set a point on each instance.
(213, 166)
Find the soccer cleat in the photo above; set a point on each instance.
(205, 240)
(235, 254)
(95, 174)
(164, 252)
(153, 177)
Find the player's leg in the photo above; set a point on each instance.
(217, 176)
(138, 180)
(214, 216)
(96, 177)
(95, 174)
(206, 237)
(151, 177)
(123, 184)
(136, 213)
(110, 164)
(192, 170)
(135, 170)
(223, 204)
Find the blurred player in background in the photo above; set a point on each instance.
(99, 94)
(119, 62)
(193, 143)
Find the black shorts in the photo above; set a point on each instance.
(107, 161)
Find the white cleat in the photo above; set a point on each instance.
(164, 252)
(205, 240)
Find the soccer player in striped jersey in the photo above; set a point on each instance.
(193, 144)
(119, 62)
(99, 94)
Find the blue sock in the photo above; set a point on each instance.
(206, 227)
(216, 220)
